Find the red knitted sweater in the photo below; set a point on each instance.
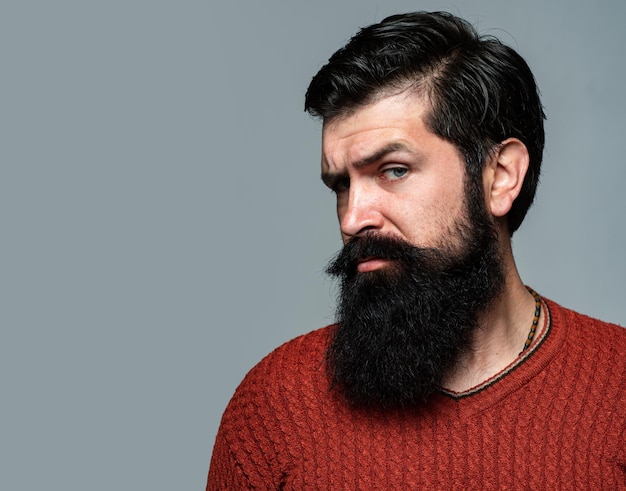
(557, 420)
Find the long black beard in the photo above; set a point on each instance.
(402, 328)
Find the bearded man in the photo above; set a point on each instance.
(443, 371)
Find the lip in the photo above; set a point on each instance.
(368, 264)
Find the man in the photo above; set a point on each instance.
(443, 371)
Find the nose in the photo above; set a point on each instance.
(359, 214)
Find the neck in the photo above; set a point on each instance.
(502, 331)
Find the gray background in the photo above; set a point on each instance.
(164, 227)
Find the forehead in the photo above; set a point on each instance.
(396, 120)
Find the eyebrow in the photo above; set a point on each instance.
(331, 178)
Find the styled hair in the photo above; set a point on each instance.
(480, 91)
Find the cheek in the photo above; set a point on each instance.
(426, 222)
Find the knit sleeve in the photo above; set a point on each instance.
(261, 427)
(225, 473)
(244, 455)
(253, 431)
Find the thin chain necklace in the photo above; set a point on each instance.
(533, 327)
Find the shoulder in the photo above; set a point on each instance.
(292, 371)
(278, 383)
(586, 328)
(262, 419)
(292, 362)
(596, 341)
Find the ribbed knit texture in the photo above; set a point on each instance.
(556, 421)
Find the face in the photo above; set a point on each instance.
(420, 260)
(392, 176)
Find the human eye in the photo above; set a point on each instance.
(340, 185)
(337, 183)
(394, 173)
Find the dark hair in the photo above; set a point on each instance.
(480, 90)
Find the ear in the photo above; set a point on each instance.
(504, 175)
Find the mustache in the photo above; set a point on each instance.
(379, 246)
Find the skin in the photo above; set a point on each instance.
(392, 175)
